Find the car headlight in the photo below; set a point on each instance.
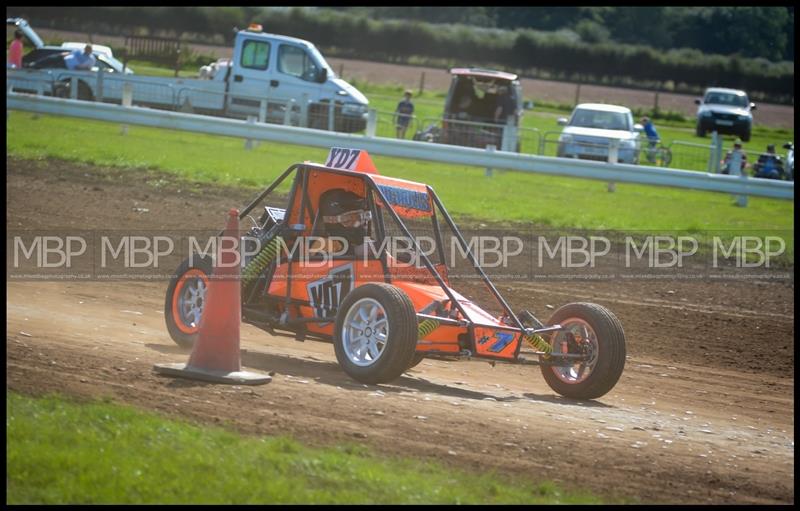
(354, 109)
(565, 138)
(628, 144)
(706, 113)
(744, 117)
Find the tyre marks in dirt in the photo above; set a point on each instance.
(717, 434)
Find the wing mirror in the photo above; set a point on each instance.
(322, 75)
(562, 121)
(752, 106)
(697, 101)
(638, 127)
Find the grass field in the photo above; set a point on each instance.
(59, 452)
(430, 105)
(507, 197)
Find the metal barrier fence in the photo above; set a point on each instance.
(465, 133)
(608, 172)
(38, 86)
(327, 116)
(691, 155)
(530, 140)
(591, 149)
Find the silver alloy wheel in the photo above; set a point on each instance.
(365, 330)
(190, 301)
(580, 370)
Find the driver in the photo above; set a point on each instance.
(346, 217)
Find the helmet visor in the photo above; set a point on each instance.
(354, 218)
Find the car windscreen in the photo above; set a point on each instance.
(723, 98)
(600, 119)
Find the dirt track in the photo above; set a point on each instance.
(704, 412)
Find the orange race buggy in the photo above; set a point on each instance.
(339, 263)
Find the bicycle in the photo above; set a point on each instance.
(658, 154)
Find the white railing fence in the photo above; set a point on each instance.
(485, 158)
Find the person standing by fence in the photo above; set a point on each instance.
(15, 51)
(735, 161)
(403, 114)
(652, 138)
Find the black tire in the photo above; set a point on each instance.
(700, 131)
(177, 326)
(399, 348)
(610, 352)
(62, 90)
(746, 136)
(418, 357)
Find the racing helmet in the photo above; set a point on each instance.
(345, 214)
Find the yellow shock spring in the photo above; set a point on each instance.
(538, 343)
(427, 326)
(261, 261)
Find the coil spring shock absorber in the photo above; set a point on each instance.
(261, 261)
(538, 343)
(427, 326)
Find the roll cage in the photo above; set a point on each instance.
(398, 198)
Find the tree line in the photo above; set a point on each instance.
(559, 54)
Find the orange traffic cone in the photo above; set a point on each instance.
(215, 356)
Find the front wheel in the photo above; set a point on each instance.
(376, 333)
(592, 330)
(183, 305)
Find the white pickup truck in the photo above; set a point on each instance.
(270, 76)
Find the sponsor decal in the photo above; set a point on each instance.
(503, 340)
(406, 198)
(327, 293)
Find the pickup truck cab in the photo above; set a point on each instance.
(284, 69)
(268, 75)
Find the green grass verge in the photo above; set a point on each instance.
(59, 451)
(547, 201)
(430, 105)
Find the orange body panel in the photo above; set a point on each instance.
(318, 287)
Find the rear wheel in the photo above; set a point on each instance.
(63, 90)
(592, 330)
(185, 298)
(376, 333)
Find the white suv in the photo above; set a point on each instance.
(591, 128)
(726, 111)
